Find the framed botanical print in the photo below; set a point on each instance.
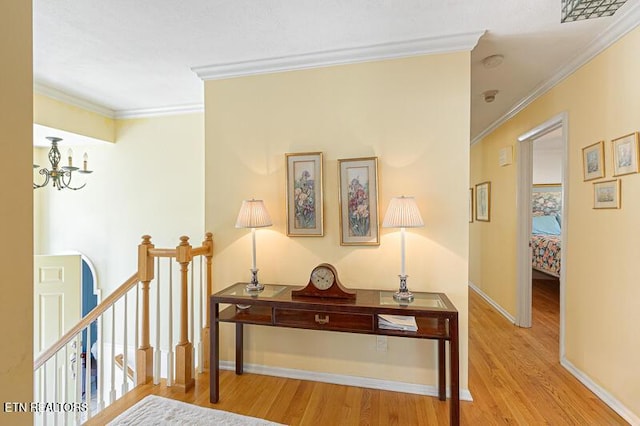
(625, 154)
(606, 195)
(483, 202)
(593, 161)
(305, 217)
(359, 223)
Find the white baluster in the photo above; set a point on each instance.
(87, 372)
(191, 316)
(136, 332)
(100, 378)
(158, 352)
(200, 323)
(125, 360)
(56, 393)
(170, 353)
(78, 375)
(112, 394)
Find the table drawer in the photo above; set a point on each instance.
(321, 320)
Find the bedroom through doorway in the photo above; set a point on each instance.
(542, 192)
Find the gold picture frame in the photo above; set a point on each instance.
(470, 205)
(625, 154)
(305, 206)
(607, 194)
(358, 186)
(593, 161)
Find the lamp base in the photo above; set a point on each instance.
(403, 292)
(254, 285)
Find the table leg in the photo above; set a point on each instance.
(455, 370)
(214, 355)
(239, 348)
(442, 371)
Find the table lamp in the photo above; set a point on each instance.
(403, 213)
(253, 214)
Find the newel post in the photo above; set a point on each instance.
(144, 354)
(208, 243)
(184, 348)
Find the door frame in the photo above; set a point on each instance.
(524, 217)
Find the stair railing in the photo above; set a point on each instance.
(59, 374)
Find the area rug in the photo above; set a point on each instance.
(155, 410)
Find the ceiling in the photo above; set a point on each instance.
(127, 58)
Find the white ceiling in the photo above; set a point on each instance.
(127, 57)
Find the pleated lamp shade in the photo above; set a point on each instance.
(253, 214)
(402, 213)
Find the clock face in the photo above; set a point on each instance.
(322, 278)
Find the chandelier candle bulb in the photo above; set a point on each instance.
(70, 156)
(85, 159)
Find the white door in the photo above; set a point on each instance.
(57, 308)
(57, 298)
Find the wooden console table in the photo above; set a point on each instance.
(435, 315)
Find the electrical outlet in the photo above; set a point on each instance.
(381, 343)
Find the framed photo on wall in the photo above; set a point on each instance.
(606, 195)
(483, 202)
(593, 161)
(625, 154)
(470, 205)
(359, 223)
(305, 217)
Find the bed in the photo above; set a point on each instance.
(546, 228)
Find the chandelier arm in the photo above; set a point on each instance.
(68, 181)
(45, 173)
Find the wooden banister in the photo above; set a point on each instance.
(88, 319)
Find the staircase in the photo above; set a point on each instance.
(149, 305)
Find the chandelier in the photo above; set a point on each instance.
(61, 175)
(576, 10)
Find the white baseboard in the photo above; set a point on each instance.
(490, 301)
(340, 379)
(605, 396)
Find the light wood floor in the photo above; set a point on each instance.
(514, 377)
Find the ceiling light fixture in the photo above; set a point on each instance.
(576, 10)
(492, 61)
(490, 95)
(61, 175)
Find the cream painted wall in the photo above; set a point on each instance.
(150, 182)
(16, 209)
(59, 115)
(413, 114)
(602, 100)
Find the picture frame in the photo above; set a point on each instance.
(593, 161)
(606, 194)
(483, 202)
(625, 154)
(304, 199)
(358, 195)
(470, 205)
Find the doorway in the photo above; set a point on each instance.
(556, 128)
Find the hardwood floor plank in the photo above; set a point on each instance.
(515, 377)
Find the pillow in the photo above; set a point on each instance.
(545, 225)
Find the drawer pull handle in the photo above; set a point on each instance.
(324, 320)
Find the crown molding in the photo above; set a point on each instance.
(376, 52)
(160, 111)
(614, 32)
(58, 95)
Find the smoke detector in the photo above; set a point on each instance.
(489, 96)
(492, 61)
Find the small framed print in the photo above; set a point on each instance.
(593, 161)
(625, 154)
(483, 202)
(606, 195)
(304, 195)
(359, 224)
(470, 205)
